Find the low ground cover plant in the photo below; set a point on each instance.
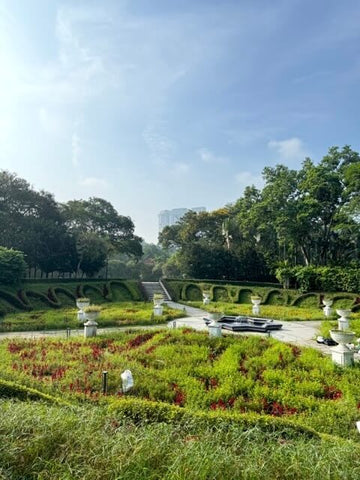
(112, 315)
(188, 369)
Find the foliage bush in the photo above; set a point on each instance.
(327, 279)
(245, 295)
(12, 266)
(220, 294)
(191, 292)
(10, 389)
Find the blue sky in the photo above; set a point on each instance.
(162, 104)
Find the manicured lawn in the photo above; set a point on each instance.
(277, 312)
(188, 369)
(112, 315)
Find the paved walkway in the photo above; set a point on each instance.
(301, 333)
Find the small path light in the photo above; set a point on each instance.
(68, 331)
(127, 381)
(104, 382)
(174, 324)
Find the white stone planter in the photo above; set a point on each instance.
(81, 314)
(256, 305)
(214, 329)
(206, 298)
(343, 321)
(341, 354)
(158, 310)
(91, 315)
(158, 301)
(327, 309)
(90, 328)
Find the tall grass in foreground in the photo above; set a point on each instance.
(44, 442)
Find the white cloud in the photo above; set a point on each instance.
(207, 156)
(93, 182)
(290, 149)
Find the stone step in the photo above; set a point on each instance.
(151, 288)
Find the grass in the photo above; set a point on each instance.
(277, 312)
(112, 315)
(44, 442)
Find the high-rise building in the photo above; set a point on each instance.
(170, 217)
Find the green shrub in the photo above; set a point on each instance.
(144, 411)
(245, 295)
(10, 389)
(220, 294)
(12, 266)
(192, 293)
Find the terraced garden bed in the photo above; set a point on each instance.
(247, 375)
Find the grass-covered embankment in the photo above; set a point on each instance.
(112, 315)
(39, 441)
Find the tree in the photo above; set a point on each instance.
(98, 216)
(31, 222)
(93, 252)
(12, 265)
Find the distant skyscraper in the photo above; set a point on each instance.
(170, 217)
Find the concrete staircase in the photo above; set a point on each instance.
(150, 288)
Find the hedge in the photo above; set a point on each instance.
(146, 411)
(10, 389)
(326, 279)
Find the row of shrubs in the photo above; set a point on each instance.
(325, 279)
(144, 411)
(57, 296)
(193, 292)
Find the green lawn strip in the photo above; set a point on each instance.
(277, 312)
(112, 315)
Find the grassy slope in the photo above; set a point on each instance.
(112, 315)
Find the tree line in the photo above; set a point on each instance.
(74, 238)
(300, 217)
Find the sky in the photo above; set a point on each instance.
(158, 104)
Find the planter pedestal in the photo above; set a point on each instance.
(90, 328)
(206, 298)
(256, 306)
(327, 309)
(158, 310)
(341, 354)
(214, 329)
(343, 321)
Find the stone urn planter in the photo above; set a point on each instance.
(255, 305)
(90, 326)
(158, 300)
(214, 329)
(327, 308)
(341, 354)
(82, 303)
(206, 298)
(343, 321)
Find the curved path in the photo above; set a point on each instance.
(302, 333)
